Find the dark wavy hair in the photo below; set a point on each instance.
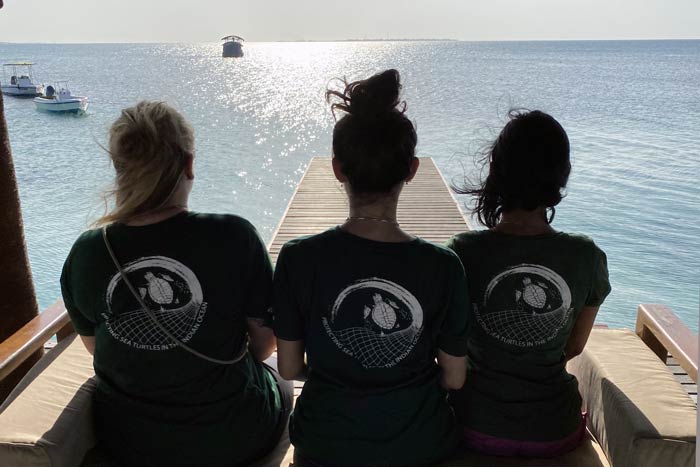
(374, 141)
(528, 168)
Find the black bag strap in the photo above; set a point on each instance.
(154, 319)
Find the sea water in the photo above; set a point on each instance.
(631, 110)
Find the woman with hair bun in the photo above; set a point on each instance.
(536, 293)
(174, 306)
(364, 309)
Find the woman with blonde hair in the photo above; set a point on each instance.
(174, 307)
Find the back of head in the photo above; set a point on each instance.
(374, 141)
(528, 167)
(149, 144)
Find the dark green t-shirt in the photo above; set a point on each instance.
(527, 292)
(157, 404)
(372, 316)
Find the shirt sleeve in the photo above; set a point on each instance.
(452, 244)
(258, 302)
(600, 282)
(82, 324)
(288, 318)
(453, 334)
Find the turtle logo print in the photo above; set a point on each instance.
(375, 321)
(170, 289)
(525, 305)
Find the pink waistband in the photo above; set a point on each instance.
(493, 446)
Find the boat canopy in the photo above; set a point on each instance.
(232, 38)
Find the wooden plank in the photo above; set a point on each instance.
(426, 208)
(665, 333)
(32, 337)
(683, 378)
(686, 382)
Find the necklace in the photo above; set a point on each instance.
(374, 219)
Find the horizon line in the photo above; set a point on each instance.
(367, 40)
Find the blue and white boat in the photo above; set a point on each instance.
(58, 98)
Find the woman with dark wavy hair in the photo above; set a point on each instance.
(371, 306)
(536, 293)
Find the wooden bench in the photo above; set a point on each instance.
(48, 420)
(54, 321)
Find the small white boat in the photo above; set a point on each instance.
(233, 46)
(58, 98)
(20, 84)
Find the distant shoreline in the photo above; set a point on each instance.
(372, 40)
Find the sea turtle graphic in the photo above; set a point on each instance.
(533, 295)
(164, 286)
(375, 321)
(158, 288)
(383, 313)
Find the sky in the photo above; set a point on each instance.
(286, 20)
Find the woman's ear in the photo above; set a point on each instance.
(339, 175)
(189, 167)
(415, 163)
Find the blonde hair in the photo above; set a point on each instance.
(149, 145)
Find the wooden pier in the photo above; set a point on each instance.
(426, 207)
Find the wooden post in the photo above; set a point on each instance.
(18, 304)
(663, 332)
